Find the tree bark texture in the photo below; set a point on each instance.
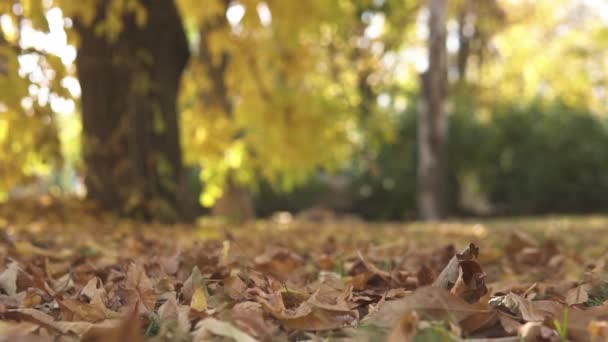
(130, 123)
(432, 127)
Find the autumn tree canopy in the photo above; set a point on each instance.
(138, 95)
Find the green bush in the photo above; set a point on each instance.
(533, 158)
(545, 158)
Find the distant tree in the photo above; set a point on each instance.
(432, 132)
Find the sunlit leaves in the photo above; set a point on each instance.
(277, 90)
(113, 16)
(539, 55)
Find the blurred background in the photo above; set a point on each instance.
(383, 109)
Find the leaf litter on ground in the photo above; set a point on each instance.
(89, 277)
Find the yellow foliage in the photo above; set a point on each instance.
(279, 91)
(112, 23)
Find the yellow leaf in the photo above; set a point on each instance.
(199, 300)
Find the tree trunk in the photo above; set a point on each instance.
(433, 122)
(235, 204)
(466, 30)
(130, 124)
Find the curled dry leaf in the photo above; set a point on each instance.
(463, 275)
(448, 276)
(470, 284)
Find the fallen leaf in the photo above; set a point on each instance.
(470, 284)
(448, 276)
(234, 287)
(249, 317)
(279, 262)
(535, 331)
(93, 288)
(74, 310)
(139, 287)
(405, 329)
(210, 325)
(519, 306)
(8, 279)
(427, 301)
(12, 331)
(199, 300)
(598, 330)
(578, 295)
(306, 316)
(127, 330)
(174, 317)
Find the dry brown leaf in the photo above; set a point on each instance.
(535, 331)
(519, 306)
(478, 321)
(74, 310)
(519, 241)
(578, 295)
(306, 316)
(234, 287)
(93, 288)
(127, 330)
(8, 279)
(425, 276)
(173, 313)
(448, 276)
(211, 326)
(509, 323)
(63, 327)
(249, 317)
(470, 284)
(140, 290)
(598, 330)
(405, 329)
(22, 331)
(331, 299)
(428, 301)
(278, 262)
